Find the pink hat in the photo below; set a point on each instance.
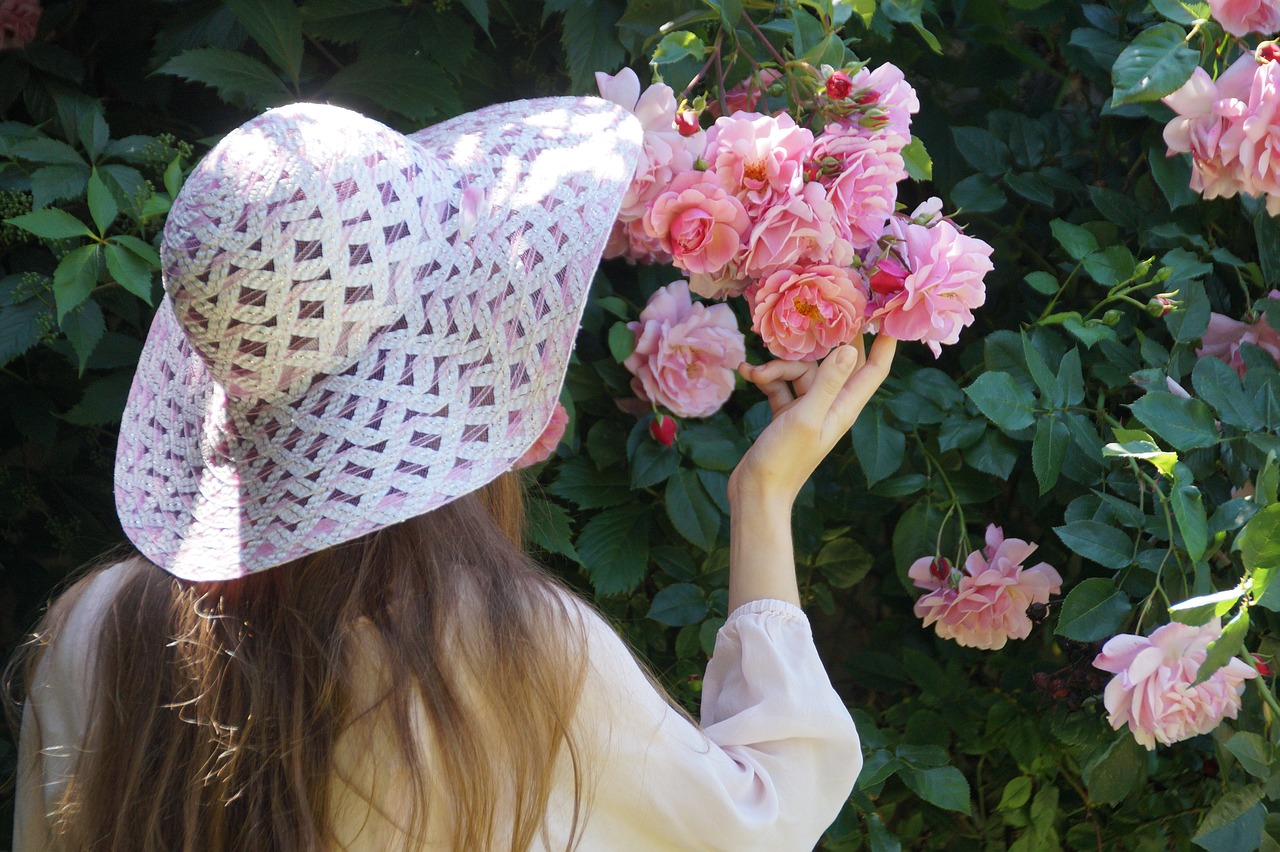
(360, 326)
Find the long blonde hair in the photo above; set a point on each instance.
(218, 705)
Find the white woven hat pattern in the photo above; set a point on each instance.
(360, 326)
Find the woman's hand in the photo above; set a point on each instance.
(813, 405)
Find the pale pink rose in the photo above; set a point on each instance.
(1240, 17)
(1224, 335)
(1152, 692)
(1208, 125)
(800, 229)
(730, 280)
(547, 441)
(1258, 134)
(744, 96)
(758, 158)
(686, 353)
(802, 314)
(861, 175)
(985, 604)
(942, 286)
(698, 223)
(884, 103)
(630, 241)
(19, 20)
(666, 151)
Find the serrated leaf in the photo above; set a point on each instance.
(1185, 423)
(1226, 646)
(1049, 450)
(277, 28)
(918, 163)
(678, 45)
(1041, 282)
(1016, 794)
(1105, 545)
(142, 249)
(74, 278)
(57, 183)
(231, 73)
(51, 151)
(1110, 266)
(102, 206)
(580, 483)
(1095, 609)
(622, 341)
(978, 194)
(614, 548)
(1219, 386)
(51, 224)
(129, 271)
(1203, 609)
(1189, 512)
(590, 40)
(983, 150)
(878, 446)
(942, 786)
(1173, 175)
(1235, 822)
(413, 86)
(1155, 64)
(843, 562)
(173, 177)
(551, 528)
(652, 464)
(679, 604)
(20, 328)
(691, 510)
(83, 326)
(1114, 771)
(1075, 240)
(1004, 402)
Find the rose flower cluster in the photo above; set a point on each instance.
(803, 226)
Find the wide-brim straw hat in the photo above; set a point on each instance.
(360, 326)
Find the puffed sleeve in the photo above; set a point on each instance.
(774, 760)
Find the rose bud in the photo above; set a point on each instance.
(839, 85)
(1268, 51)
(1263, 668)
(663, 429)
(687, 122)
(1162, 304)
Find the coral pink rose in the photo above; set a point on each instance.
(1152, 692)
(630, 241)
(1206, 126)
(861, 176)
(985, 604)
(1240, 17)
(758, 158)
(1223, 337)
(800, 229)
(802, 314)
(686, 353)
(19, 20)
(666, 150)
(699, 224)
(547, 441)
(942, 286)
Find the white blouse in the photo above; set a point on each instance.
(774, 760)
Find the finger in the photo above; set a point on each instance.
(803, 383)
(832, 374)
(778, 370)
(857, 391)
(779, 395)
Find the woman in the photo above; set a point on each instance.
(329, 637)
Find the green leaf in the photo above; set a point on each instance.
(1004, 402)
(20, 328)
(1259, 541)
(879, 837)
(1188, 510)
(978, 194)
(1016, 794)
(1105, 545)
(1041, 282)
(1182, 11)
(413, 86)
(1235, 822)
(653, 463)
(1185, 423)
(1253, 753)
(678, 45)
(582, 485)
(1226, 646)
(679, 604)
(103, 400)
(691, 510)
(994, 453)
(614, 547)
(1048, 450)
(1113, 772)
(51, 151)
(878, 446)
(916, 159)
(1135, 444)
(232, 74)
(478, 9)
(1155, 64)
(142, 249)
(983, 149)
(51, 224)
(83, 326)
(102, 206)
(622, 342)
(942, 786)
(173, 177)
(1219, 386)
(1110, 266)
(843, 562)
(74, 278)
(57, 183)
(277, 28)
(1173, 176)
(590, 40)
(1095, 609)
(1075, 240)
(1046, 381)
(129, 271)
(550, 527)
(1200, 610)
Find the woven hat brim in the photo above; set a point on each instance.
(212, 489)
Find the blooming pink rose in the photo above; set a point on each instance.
(699, 224)
(744, 96)
(985, 604)
(547, 441)
(804, 313)
(1240, 17)
(1207, 125)
(942, 286)
(19, 20)
(630, 241)
(666, 151)
(861, 175)
(796, 230)
(728, 281)
(758, 158)
(1224, 335)
(1152, 692)
(1257, 137)
(686, 352)
(885, 103)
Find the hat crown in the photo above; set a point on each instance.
(294, 244)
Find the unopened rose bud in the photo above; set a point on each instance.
(700, 164)
(687, 122)
(940, 568)
(1111, 317)
(1162, 304)
(1268, 51)
(867, 98)
(1143, 267)
(839, 85)
(663, 429)
(1262, 667)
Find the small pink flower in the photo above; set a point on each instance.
(19, 20)
(667, 150)
(804, 313)
(861, 175)
(1240, 17)
(686, 353)
(1152, 692)
(839, 85)
(943, 284)
(886, 103)
(547, 441)
(1223, 337)
(796, 230)
(686, 123)
(758, 158)
(985, 604)
(698, 223)
(1257, 136)
(744, 96)
(630, 241)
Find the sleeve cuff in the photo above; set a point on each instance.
(768, 606)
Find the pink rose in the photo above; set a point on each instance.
(666, 152)
(728, 281)
(699, 224)
(686, 353)
(861, 176)
(1240, 17)
(985, 604)
(942, 286)
(547, 441)
(802, 314)
(630, 241)
(885, 103)
(19, 20)
(1257, 137)
(1152, 692)
(758, 158)
(1207, 126)
(744, 96)
(796, 230)
(1224, 335)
